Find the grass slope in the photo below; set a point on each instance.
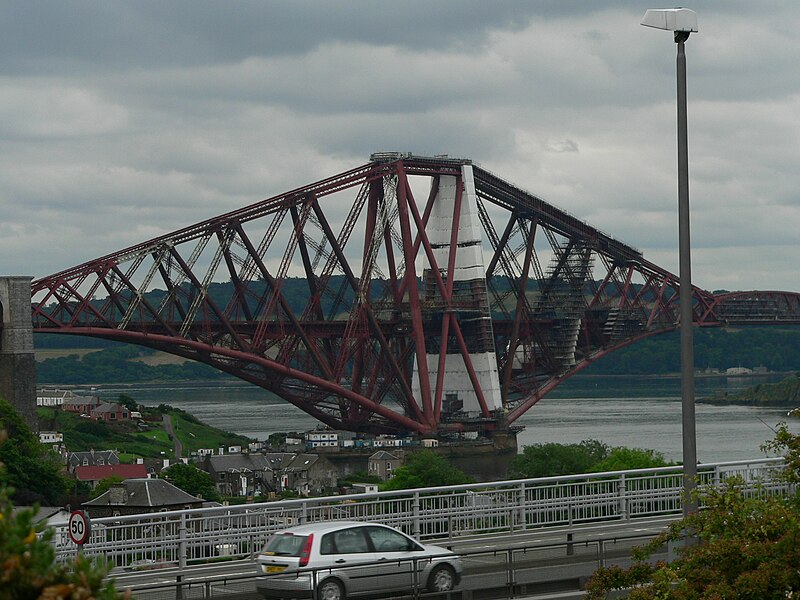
(147, 441)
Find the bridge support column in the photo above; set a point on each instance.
(17, 360)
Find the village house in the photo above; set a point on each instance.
(93, 475)
(138, 496)
(387, 441)
(82, 405)
(93, 458)
(383, 464)
(240, 474)
(249, 474)
(309, 475)
(322, 438)
(56, 517)
(54, 398)
(51, 437)
(110, 411)
(155, 465)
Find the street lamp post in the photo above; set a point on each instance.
(682, 22)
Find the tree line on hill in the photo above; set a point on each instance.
(118, 363)
(774, 348)
(777, 349)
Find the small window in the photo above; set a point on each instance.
(327, 546)
(350, 541)
(388, 540)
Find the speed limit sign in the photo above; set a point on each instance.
(79, 527)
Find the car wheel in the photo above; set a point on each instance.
(330, 589)
(442, 579)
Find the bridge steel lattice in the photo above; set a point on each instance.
(436, 297)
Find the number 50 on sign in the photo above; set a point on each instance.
(79, 527)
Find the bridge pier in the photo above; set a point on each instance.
(17, 359)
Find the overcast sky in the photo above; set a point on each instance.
(120, 121)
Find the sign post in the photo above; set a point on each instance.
(79, 528)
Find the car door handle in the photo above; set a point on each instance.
(341, 560)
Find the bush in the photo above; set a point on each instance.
(27, 560)
(738, 546)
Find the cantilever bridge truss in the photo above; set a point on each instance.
(413, 294)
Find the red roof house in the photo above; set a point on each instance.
(93, 474)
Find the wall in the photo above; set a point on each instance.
(17, 360)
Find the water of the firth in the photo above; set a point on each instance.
(637, 412)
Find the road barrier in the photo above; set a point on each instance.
(187, 537)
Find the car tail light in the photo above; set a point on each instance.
(305, 553)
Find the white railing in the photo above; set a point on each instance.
(188, 536)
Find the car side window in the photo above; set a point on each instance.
(386, 540)
(350, 541)
(326, 546)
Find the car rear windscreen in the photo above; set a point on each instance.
(285, 544)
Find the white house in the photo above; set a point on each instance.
(738, 371)
(53, 397)
(322, 439)
(51, 437)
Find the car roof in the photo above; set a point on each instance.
(324, 527)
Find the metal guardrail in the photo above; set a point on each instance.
(507, 572)
(186, 537)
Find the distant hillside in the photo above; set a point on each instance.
(119, 363)
(784, 393)
(146, 438)
(777, 349)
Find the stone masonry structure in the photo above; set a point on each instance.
(17, 360)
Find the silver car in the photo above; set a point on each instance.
(333, 560)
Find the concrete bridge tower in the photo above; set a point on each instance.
(469, 303)
(17, 360)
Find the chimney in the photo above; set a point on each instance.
(117, 494)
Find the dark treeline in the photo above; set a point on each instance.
(777, 349)
(118, 364)
(773, 348)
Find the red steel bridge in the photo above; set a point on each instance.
(434, 298)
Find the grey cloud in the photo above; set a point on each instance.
(154, 115)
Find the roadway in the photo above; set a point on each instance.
(543, 563)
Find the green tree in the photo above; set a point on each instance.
(33, 470)
(546, 460)
(426, 468)
(28, 568)
(747, 546)
(191, 480)
(623, 459)
(128, 402)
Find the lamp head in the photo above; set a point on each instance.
(677, 20)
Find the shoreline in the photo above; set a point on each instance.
(242, 383)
